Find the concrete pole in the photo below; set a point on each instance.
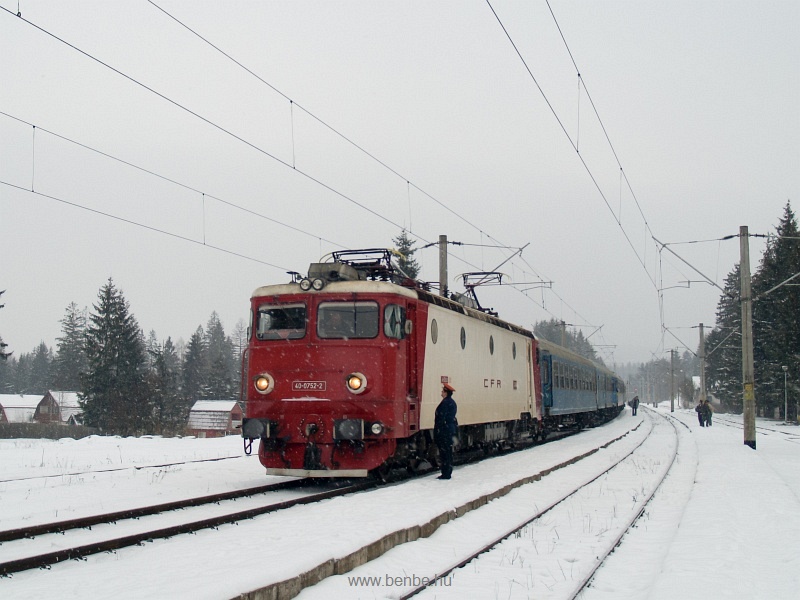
(443, 266)
(672, 381)
(785, 395)
(749, 391)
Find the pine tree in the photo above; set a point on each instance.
(195, 369)
(23, 374)
(70, 360)
(239, 338)
(724, 347)
(405, 255)
(41, 366)
(113, 392)
(776, 329)
(8, 367)
(169, 408)
(221, 372)
(152, 346)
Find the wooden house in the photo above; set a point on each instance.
(59, 407)
(18, 408)
(215, 418)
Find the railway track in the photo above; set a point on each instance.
(307, 544)
(18, 546)
(474, 533)
(545, 528)
(78, 538)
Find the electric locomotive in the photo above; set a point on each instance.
(344, 368)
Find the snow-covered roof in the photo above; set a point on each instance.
(214, 405)
(20, 400)
(211, 414)
(65, 399)
(19, 408)
(68, 404)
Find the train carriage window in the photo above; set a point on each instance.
(554, 369)
(347, 320)
(556, 381)
(394, 321)
(281, 322)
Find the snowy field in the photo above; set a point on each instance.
(725, 524)
(42, 481)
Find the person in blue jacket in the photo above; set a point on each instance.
(445, 428)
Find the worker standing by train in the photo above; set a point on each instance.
(445, 428)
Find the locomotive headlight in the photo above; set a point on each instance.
(376, 428)
(318, 284)
(264, 383)
(357, 383)
(305, 284)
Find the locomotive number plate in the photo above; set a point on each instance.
(308, 386)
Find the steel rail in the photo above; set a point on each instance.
(416, 590)
(587, 579)
(48, 559)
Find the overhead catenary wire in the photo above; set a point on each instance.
(572, 142)
(245, 141)
(360, 148)
(408, 183)
(209, 121)
(142, 225)
(318, 119)
(599, 119)
(167, 179)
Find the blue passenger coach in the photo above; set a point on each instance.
(574, 389)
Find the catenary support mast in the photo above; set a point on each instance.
(749, 394)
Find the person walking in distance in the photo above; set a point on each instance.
(701, 413)
(634, 405)
(708, 411)
(445, 428)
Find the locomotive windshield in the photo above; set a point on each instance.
(281, 322)
(340, 320)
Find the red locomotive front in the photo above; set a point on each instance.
(332, 374)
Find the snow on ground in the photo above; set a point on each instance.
(42, 481)
(725, 525)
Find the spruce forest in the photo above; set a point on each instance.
(129, 383)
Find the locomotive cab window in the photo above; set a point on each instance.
(347, 320)
(281, 322)
(394, 321)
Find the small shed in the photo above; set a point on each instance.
(18, 408)
(59, 407)
(215, 418)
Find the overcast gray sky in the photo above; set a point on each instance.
(699, 100)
